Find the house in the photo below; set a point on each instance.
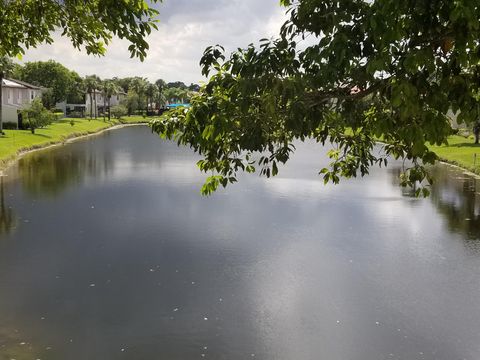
(99, 100)
(17, 95)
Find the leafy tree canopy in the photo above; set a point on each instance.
(177, 84)
(64, 83)
(344, 73)
(89, 24)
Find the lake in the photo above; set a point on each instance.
(108, 251)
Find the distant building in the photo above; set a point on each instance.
(116, 99)
(16, 96)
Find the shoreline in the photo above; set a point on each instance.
(10, 162)
(4, 166)
(458, 167)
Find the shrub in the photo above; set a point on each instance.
(118, 111)
(9, 126)
(75, 114)
(36, 116)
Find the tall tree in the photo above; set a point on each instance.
(177, 84)
(110, 89)
(104, 85)
(89, 24)
(53, 75)
(161, 99)
(161, 84)
(194, 87)
(139, 86)
(380, 69)
(6, 66)
(151, 93)
(91, 84)
(131, 102)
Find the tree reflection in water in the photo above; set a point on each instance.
(49, 174)
(8, 219)
(456, 195)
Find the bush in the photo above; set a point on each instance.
(36, 116)
(118, 111)
(9, 126)
(75, 114)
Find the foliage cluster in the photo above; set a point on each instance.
(37, 116)
(344, 73)
(89, 24)
(118, 111)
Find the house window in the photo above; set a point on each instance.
(9, 94)
(117, 97)
(31, 95)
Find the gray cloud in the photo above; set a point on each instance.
(186, 28)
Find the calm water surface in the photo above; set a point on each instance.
(107, 251)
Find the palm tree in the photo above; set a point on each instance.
(139, 86)
(151, 92)
(6, 66)
(110, 89)
(90, 87)
(104, 94)
(161, 99)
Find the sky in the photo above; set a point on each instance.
(186, 28)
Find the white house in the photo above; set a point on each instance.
(16, 95)
(116, 99)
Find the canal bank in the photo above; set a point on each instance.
(461, 152)
(17, 143)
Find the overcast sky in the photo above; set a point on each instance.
(186, 28)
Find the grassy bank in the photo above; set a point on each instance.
(460, 151)
(17, 141)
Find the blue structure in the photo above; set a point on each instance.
(173, 106)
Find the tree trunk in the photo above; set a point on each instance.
(91, 105)
(95, 98)
(1, 102)
(109, 107)
(104, 106)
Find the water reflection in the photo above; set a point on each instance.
(8, 219)
(456, 196)
(49, 173)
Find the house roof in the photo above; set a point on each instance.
(100, 92)
(19, 84)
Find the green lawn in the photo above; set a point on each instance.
(460, 151)
(16, 141)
